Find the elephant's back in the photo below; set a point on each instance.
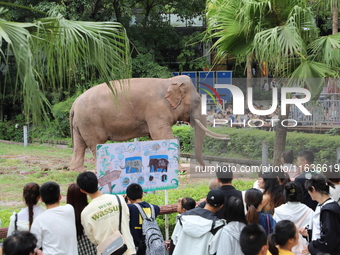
(134, 97)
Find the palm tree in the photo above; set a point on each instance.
(47, 54)
(282, 33)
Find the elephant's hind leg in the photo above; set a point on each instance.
(79, 147)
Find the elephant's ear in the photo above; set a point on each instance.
(175, 94)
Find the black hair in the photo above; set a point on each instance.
(188, 203)
(50, 192)
(78, 200)
(293, 192)
(288, 156)
(274, 187)
(20, 243)
(31, 193)
(134, 191)
(253, 199)
(235, 210)
(319, 182)
(252, 238)
(284, 230)
(224, 174)
(88, 182)
(307, 155)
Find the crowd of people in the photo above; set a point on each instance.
(293, 211)
(233, 120)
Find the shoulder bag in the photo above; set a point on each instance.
(114, 245)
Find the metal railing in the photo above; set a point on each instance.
(324, 112)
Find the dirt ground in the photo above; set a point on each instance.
(27, 165)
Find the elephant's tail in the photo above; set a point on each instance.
(71, 124)
(71, 120)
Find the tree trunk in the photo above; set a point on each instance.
(118, 13)
(280, 138)
(249, 69)
(335, 17)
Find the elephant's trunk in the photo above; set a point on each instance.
(200, 131)
(199, 138)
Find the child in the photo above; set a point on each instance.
(253, 240)
(253, 199)
(21, 243)
(286, 236)
(134, 193)
(294, 211)
(185, 204)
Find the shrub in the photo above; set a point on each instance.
(144, 66)
(183, 133)
(12, 130)
(248, 143)
(61, 112)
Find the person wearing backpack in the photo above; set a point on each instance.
(144, 229)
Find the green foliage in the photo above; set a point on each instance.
(282, 33)
(245, 143)
(184, 135)
(248, 143)
(61, 112)
(4, 217)
(156, 37)
(188, 58)
(333, 132)
(8, 130)
(259, 94)
(50, 63)
(144, 66)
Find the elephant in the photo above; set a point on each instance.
(141, 107)
(155, 164)
(133, 164)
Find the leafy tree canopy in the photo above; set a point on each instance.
(49, 53)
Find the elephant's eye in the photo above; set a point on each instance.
(197, 101)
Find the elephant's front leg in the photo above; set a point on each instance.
(161, 132)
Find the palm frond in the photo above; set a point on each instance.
(326, 49)
(48, 54)
(311, 74)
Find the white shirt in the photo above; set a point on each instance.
(227, 240)
(335, 193)
(298, 213)
(23, 219)
(316, 220)
(55, 230)
(266, 87)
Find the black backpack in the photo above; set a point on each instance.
(153, 242)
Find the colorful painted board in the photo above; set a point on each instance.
(152, 164)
